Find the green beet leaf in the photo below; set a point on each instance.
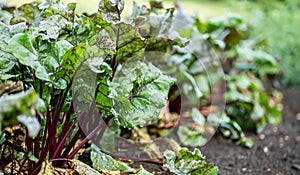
(111, 9)
(102, 161)
(143, 171)
(103, 101)
(56, 20)
(128, 42)
(31, 123)
(22, 106)
(28, 13)
(21, 46)
(139, 91)
(190, 137)
(52, 27)
(71, 60)
(226, 21)
(188, 163)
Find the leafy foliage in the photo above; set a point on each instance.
(224, 43)
(53, 53)
(70, 78)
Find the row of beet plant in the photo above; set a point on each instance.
(60, 70)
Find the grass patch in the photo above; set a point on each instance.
(278, 23)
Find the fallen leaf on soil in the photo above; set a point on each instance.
(154, 153)
(141, 135)
(12, 168)
(47, 168)
(82, 168)
(156, 149)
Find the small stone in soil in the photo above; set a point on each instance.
(298, 116)
(269, 170)
(266, 149)
(281, 140)
(261, 137)
(286, 138)
(244, 169)
(296, 166)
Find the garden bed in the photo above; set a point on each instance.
(276, 151)
(70, 78)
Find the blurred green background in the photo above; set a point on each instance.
(275, 23)
(206, 9)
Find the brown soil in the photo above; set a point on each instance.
(276, 151)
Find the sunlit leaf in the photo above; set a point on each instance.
(142, 171)
(51, 28)
(186, 162)
(190, 137)
(31, 123)
(21, 47)
(139, 91)
(198, 117)
(102, 161)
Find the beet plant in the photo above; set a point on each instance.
(67, 77)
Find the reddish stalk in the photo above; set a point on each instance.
(28, 142)
(72, 143)
(66, 119)
(103, 124)
(37, 140)
(48, 121)
(61, 142)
